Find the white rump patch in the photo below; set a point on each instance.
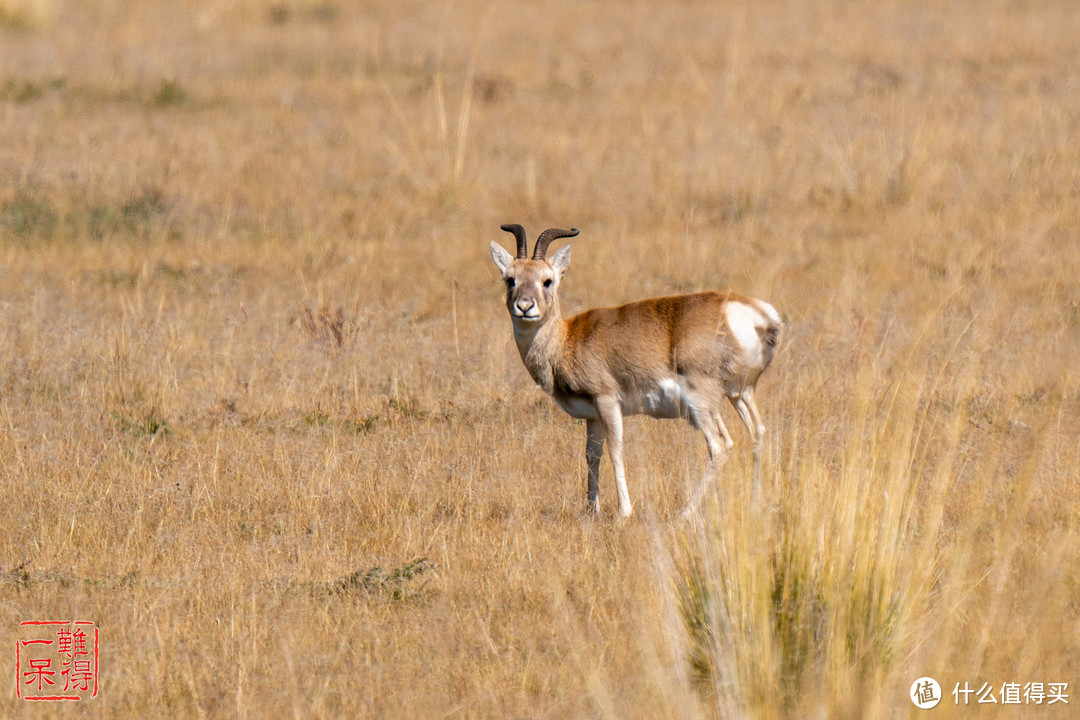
(743, 320)
(770, 311)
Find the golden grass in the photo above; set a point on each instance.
(261, 418)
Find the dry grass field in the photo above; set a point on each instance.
(262, 419)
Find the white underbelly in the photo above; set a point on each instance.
(666, 399)
(577, 406)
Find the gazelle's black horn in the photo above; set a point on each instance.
(519, 233)
(545, 239)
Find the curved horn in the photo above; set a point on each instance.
(546, 237)
(519, 233)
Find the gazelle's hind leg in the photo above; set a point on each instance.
(759, 438)
(723, 429)
(748, 396)
(744, 404)
(710, 423)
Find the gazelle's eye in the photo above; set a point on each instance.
(510, 283)
(547, 283)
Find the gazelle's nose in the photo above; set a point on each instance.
(525, 308)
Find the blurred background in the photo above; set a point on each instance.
(262, 420)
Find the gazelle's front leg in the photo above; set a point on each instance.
(594, 450)
(611, 417)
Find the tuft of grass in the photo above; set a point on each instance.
(317, 418)
(34, 214)
(397, 584)
(30, 215)
(328, 327)
(323, 11)
(142, 209)
(407, 406)
(118, 278)
(364, 425)
(100, 221)
(29, 90)
(151, 424)
(836, 588)
(170, 94)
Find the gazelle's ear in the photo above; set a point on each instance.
(561, 260)
(501, 257)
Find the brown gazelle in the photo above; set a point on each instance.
(666, 357)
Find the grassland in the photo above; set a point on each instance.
(262, 420)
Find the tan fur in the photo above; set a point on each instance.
(676, 356)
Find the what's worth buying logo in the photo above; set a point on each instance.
(56, 660)
(926, 693)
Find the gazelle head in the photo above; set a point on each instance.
(532, 284)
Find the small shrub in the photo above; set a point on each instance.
(150, 425)
(395, 584)
(29, 216)
(364, 425)
(328, 326)
(100, 221)
(118, 278)
(317, 418)
(139, 211)
(170, 94)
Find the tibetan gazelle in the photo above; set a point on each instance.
(666, 357)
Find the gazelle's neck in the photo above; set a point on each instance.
(539, 345)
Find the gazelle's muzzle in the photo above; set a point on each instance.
(523, 309)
